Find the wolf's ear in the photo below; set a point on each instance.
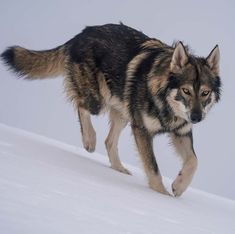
(179, 57)
(213, 60)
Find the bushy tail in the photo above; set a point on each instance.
(35, 64)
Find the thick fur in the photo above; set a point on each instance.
(35, 64)
(156, 87)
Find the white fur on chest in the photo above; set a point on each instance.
(151, 124)
(185, 129)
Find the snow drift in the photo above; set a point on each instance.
(49, 187)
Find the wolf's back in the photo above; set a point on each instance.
(35, 64)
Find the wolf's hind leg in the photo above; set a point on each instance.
(184, 147)
(87, 130)
(117, 123)
(82, 89)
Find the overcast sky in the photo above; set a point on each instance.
(41, 107)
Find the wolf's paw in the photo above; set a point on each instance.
(180, 184)
(185, 177)
(89, 140)
(159, 187)
(121, 169)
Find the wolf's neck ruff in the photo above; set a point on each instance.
(137, 79)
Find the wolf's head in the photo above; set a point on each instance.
(194, 83)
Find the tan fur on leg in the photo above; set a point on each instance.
(184, 147)
(88, 132)
(144, 145)
(117, 123)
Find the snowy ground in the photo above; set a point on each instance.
(49, 187)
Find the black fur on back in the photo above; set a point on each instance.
(111, 47)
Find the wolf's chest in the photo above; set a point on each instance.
(154, 125)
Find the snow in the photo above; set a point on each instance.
(50, 187)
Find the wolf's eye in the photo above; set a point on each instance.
(205, 93)
(186, 91)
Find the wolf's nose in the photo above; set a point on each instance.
(196, 117)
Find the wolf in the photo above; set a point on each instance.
(139, 80)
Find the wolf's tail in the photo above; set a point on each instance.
(35, 64)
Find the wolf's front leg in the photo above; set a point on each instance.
(184, 147)
(144, 143)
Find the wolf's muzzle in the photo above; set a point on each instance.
(196, 117)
